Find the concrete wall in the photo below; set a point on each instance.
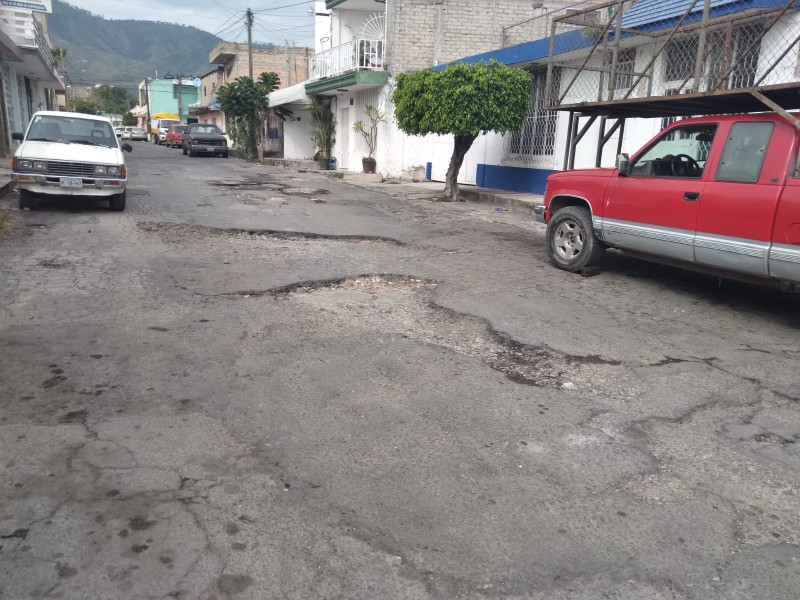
(291, 63)
(424, 33)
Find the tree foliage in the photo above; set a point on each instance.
(323, 126)
(463, 100)
(245, 103)
(113, 100)
(129, 120)
(85, 106)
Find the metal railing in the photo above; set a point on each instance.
(26, 32)
(355, 54)
(623, 49)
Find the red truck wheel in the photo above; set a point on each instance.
(571, 242)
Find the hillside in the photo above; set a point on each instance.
(123, 52)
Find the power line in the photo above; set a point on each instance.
(267, 9)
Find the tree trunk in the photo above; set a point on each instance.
(462, 145)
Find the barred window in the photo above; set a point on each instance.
(537, 138)
(680, 58)
(626, 61)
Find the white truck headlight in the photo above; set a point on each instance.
(39, 165)
(25, 164)
(112, 170)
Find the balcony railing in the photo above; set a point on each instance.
(355, 54)
(26, 32)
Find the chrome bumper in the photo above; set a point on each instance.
(538, 212)
(51, 184)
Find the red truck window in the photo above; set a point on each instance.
(681, 152)
(744, 152)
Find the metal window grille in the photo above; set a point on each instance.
(702, 45)
(679, 58)
(537, 137)
(626, 61)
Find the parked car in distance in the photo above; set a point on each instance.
(160, 128)
(719, 194)
(174, 137)
(126, 132)
(204, 138)
(118, 131)
(138, 134)
(72, 154)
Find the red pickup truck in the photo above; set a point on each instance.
(715, 194)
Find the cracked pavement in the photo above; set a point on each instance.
(258, 383)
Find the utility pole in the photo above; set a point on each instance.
(180, 98)
(250, 40)
(147, 99)
(288, 64)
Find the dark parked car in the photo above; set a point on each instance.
(203, 138)
(175, 136)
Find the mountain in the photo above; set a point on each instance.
(122, 52)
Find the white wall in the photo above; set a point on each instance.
(297, 142)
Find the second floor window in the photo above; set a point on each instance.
(626, 61)
(680, 58)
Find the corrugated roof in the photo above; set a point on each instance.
(650, 14)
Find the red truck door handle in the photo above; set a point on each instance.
(691, 196)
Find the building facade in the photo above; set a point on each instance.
(638, 48)
(28, 73)
(174, 95)
(231, 60)
(208, 110)
(363, 45)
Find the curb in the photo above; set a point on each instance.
(514, 204)
(6, 185)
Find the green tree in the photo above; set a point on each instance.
(129, 120)
(83, 105)
(59, 58)
(464, 101)
(323, 126)
(114, 100)
(245, 103)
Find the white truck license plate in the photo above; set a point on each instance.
(71, 182)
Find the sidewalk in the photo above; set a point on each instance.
(517, 202)
(6, 184)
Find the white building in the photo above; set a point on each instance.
(28, 74)
(602, 53)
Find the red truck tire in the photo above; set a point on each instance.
(571, 243)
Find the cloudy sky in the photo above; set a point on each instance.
(276, 21)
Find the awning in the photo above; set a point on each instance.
(295, 94)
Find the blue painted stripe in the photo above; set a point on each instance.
(428, 170)
(515, 179)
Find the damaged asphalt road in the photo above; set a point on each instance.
(257, 383)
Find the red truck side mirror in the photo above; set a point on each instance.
(623, 161)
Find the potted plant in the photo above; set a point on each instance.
(323, 129)
(369, 131)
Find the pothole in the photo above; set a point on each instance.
(399, 305)
(281, 188)
(53, 264)
(178, 232)
(241, 184)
